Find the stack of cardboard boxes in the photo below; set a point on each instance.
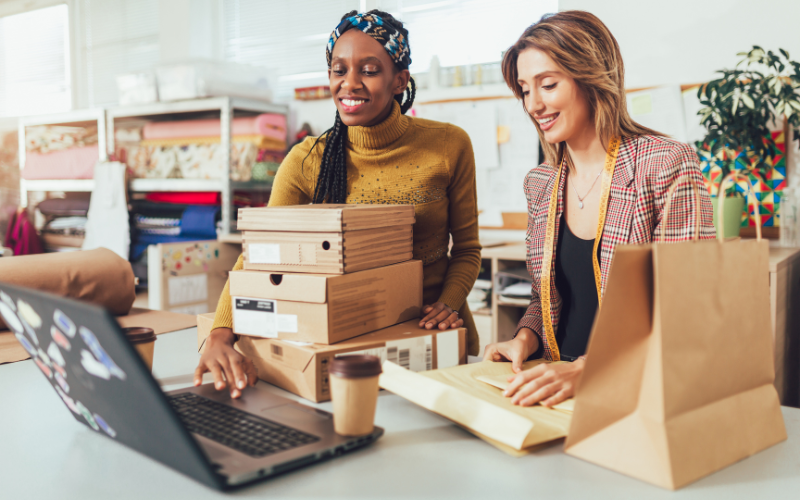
(324, 280)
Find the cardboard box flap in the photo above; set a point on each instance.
(280, 286)
(325, 217)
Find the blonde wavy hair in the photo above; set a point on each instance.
(588, 53)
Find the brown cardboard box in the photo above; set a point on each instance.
(331, 253)
(325, 308)
(302, 368)
(334, 239)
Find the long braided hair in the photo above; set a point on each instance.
(331, 184)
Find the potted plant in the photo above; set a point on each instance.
(738, 110)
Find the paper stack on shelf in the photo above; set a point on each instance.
(480, 295)
(334, 239)
(514, 286)
(65, 226)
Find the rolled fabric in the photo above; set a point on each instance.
(98, 276)
(267, 125)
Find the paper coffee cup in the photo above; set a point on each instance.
(144, 340)
(354, 391)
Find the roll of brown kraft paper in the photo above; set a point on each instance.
(98, 276)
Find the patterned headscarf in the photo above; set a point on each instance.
(395, 43)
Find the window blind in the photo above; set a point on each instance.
(35, 62)
(288, 37)
(116, 37)
(463, 32)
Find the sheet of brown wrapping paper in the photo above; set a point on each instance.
(98, 276)
(457, 394)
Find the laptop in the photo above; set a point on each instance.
(199, 431)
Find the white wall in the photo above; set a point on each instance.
(685, 41)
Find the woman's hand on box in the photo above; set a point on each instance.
(548, 384)
(228, 366)
(440, 315)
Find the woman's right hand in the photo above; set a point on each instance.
(515, 350)
(220, 358)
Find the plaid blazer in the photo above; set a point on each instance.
(646, 168)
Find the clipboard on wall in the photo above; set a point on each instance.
(188, 277)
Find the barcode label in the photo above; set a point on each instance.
(391, 354)
(428, 357)
(405, 358)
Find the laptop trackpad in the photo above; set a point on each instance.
(290, 414)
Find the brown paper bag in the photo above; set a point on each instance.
(679, 374)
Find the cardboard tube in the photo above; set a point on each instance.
(354, 401)
(98, 276)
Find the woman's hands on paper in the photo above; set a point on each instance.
(228, 366)
(548, 384)
(515, 350)
(440, 315)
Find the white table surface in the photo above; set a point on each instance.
(45, 453)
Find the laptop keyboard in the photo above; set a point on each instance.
(237, 429)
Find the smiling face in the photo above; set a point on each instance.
(553, 99)
(363, 79)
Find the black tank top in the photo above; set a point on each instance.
(576, 286)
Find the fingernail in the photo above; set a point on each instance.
(219, 385)
(241, 384)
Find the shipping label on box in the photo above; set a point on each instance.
(414, 354)
(260, 318)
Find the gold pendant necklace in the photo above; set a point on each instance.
(580, 199)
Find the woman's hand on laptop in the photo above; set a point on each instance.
(228, 366)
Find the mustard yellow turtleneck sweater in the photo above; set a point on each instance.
(403, 160)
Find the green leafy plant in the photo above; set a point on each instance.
(739, 107)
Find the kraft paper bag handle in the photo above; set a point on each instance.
(750, 190)
(668, 205)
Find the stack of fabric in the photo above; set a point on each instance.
(57, 152)
(190, 149)
(168, 218)
(65, 226)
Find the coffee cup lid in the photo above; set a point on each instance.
(355, 366)
(139, 334)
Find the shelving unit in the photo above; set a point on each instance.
(505, 316)
(227, 107)
(72, 118)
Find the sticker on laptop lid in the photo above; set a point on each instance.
(55, 354)
(100, 353)
(65, 324)
(30, 331)
(45, 369)
(61, 370)
(103, 425)
(87, 415)
(61, 382)
(67, 401)
(10, 318)
(29, 314)
(94, 367)
(60, 338)
(8, 300)
(44, 357)
(26, 344)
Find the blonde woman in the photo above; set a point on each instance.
(603, 183)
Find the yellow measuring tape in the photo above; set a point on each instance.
(549, 241)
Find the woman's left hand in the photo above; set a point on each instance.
(441, 315)
(548, 384)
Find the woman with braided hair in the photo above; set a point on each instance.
(375, 154)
